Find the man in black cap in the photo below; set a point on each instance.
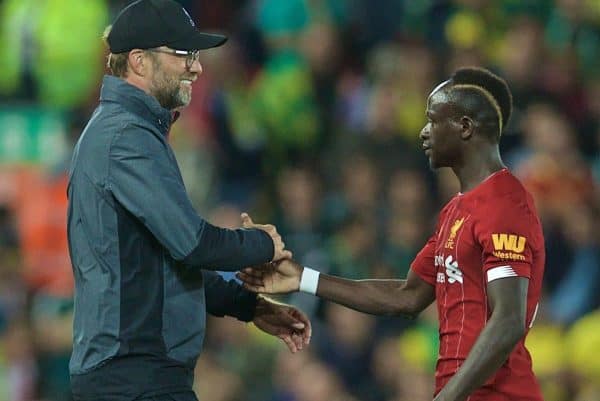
(143, 259)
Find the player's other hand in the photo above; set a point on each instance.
(283, 321)
(279, 277)
(278, 244)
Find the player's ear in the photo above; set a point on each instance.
(137, 62)
(467, 126)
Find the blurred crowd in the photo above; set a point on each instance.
(309, 118)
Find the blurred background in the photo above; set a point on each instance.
(309, 118)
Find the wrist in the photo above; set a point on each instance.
(309, 281)
(246, 303)
(260, 306)
(264, 305)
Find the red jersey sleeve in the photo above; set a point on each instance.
(424, 263)
(506, 232)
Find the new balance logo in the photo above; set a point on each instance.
(452, 271)
(500, 272)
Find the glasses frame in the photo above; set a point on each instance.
(191, 56)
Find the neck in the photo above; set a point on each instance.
(139, 82)
(477, 166)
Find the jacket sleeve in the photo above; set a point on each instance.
(144, 178)
(227, 298)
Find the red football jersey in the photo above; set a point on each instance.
(488, 233)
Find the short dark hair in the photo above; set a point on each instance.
(487, 90)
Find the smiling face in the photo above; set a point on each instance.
(441, 135)
(171, 80)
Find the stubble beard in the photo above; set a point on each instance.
(168, 90)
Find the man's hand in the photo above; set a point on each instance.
(283, 321)
(278, 245)
(272, 278)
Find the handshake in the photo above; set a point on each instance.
(282, 275)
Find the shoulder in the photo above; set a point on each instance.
(507, 210)
(504, 196)
(133, 127)
(448, 206)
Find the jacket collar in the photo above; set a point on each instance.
(137, 101)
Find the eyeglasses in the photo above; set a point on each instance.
(191, 56)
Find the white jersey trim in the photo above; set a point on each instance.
(500, 272)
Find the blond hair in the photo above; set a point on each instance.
(115, 62)
(488, 96)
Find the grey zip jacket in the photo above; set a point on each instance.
(142, 257)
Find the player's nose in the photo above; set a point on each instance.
(196, 67)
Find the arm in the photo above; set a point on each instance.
(145, 180)
(377, 297)
(227, 298)
(505, 328)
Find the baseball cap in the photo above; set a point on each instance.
(145, 24)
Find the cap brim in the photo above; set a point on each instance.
(199, 41)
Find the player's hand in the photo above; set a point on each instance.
(278, 277)
(278, 244)
(283, 321)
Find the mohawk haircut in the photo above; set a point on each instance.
(494, 89)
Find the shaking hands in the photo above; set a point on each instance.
(278, 245)
(280, 276)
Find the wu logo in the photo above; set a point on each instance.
(509, 242)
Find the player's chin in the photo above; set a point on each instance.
(437, 162)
